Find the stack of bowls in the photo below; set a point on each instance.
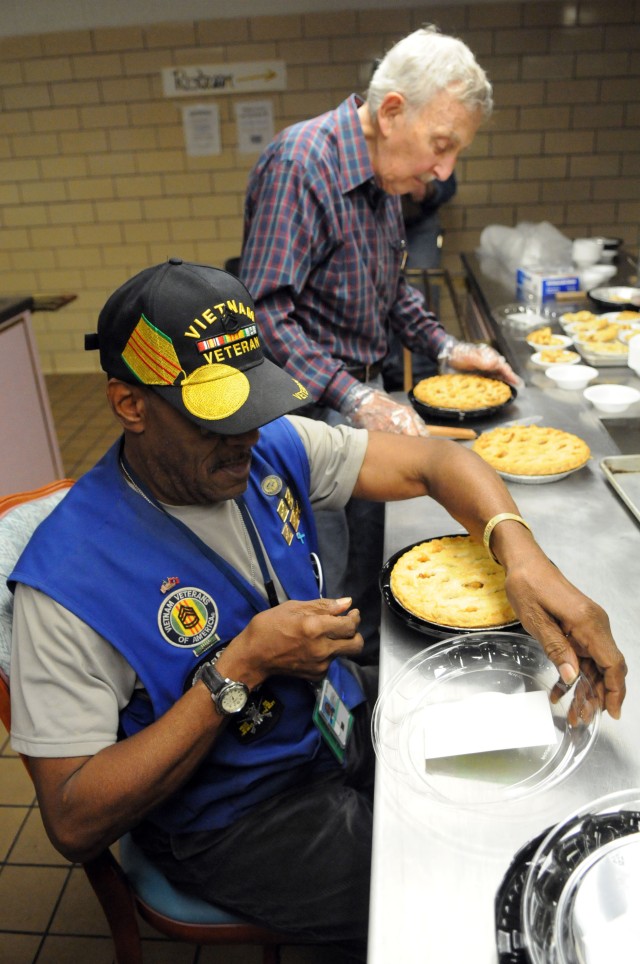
(610, 249)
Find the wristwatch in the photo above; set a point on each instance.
(229, 696)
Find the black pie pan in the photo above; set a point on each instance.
(508, 905)
(615, 297)
(435, 630)
(429, 412)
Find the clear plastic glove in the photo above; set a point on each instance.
(373, 409)
(464, 356)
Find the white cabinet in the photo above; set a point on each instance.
(29, 451)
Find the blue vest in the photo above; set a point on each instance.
(134, 575)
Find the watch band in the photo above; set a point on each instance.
(230, 696)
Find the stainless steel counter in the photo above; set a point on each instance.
(436, 869)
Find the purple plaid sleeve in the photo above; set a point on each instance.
(321, 256)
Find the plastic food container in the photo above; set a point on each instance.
(461, 672)
(582, 889)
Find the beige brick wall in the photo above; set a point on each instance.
(95, 183)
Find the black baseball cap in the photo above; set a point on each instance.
(189, 332)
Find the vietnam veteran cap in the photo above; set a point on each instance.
(189, 332)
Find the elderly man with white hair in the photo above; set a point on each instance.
(323, 254)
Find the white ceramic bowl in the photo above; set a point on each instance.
(571, 376)
(596, 274)
(611, 398)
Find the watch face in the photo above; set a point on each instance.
(233, 698)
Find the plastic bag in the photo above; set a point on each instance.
(526, 245)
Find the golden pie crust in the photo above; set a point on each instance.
(452, 581)
(532, 450)
(463, 392)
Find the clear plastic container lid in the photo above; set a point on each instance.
(462, 681)
(582, 889)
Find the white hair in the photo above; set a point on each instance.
(425, 63)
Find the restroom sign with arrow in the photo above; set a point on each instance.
(238, 78)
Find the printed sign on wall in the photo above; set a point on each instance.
(237, 78)
(201, 123)
(254, 120)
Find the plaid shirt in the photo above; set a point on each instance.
(321, 256)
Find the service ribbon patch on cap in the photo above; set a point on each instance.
(150, 355)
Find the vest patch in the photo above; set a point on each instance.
(188, 617)
(259, 718)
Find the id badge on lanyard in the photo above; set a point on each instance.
(333, 719)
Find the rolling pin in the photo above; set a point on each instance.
(570, 295)
(444, 431)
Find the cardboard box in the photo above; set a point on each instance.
(544, 283)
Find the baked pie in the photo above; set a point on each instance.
(532, 450)
(463, 392)
(454, 582)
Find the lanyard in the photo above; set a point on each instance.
(221, 564)
(257, 548)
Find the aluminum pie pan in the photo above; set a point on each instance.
(540, 479)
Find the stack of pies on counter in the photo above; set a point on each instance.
(462, 392)
(532, 450)
(452, 581)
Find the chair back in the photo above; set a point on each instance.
(20, 514)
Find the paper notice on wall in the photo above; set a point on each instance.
(254, 120)
(201, 123)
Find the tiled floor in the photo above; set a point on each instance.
(48, 912)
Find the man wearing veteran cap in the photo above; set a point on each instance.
(176, 670)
